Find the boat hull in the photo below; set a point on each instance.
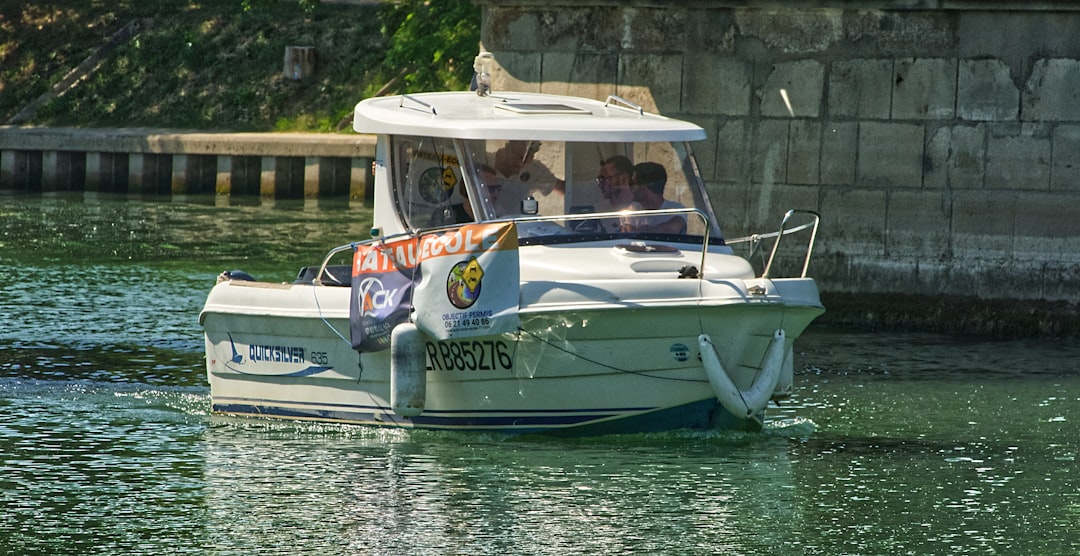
(614, 367)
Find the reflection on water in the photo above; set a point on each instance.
(392, 492)
(892, 443)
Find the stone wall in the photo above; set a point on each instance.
(940, 141)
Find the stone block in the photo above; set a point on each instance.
(956, 157)
(515, 71)
(730, 202)
(860, 88)
(1052, 93)
(792, 30)
(918, 224)
(652, 30)
(715, 84)
(986, 92)
(1048, 216)
(839, 148)
(768, 203)
(705, 151)
(890, 154)
(768, 152)
(1065, 169)
(853, 220)
(804, 152)
(936, 167)
(924, 89)
(1014, 35)
(512, 29)
(967, 157)
(708, 31)
(804, 83)
(732, 152)
(1018, 157)
(653, 81)
(584, 74)
(984, 224)
(924, 33)
(1048, 223)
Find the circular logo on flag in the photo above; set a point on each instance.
(463, 283)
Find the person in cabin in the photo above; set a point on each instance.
(462, 213)
(614, 183)
(522, 175)
(648, 182)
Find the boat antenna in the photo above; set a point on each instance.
(482, 73)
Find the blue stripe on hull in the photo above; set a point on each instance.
(704, 414)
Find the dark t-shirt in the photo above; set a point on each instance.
(453, 214)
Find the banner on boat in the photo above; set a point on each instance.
(382, 284)
(469, 282)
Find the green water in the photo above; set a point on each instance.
(893, 443)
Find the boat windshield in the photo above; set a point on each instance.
(553, 188)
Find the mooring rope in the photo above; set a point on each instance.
(605, 365)
(318, 306)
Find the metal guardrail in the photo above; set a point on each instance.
(527, 219)
(755, 239)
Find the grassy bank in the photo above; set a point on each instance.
(197, 65)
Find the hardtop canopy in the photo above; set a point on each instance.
(517, 116)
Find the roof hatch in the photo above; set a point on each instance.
(537, 108)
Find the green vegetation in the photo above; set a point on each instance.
(218, 64)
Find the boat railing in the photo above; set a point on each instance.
(615, 100)
(352, 247)
(629, 213)
(525, 219)
(756, 241)
(582, 216)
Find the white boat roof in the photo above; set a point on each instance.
(517, 116)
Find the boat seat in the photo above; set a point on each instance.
(334, 275)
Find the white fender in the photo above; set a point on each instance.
(786, 383)
(408, 370)
(744, 403)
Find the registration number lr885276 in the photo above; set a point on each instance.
(469, 355)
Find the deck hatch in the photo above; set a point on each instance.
(541, 108)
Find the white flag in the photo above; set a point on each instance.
(469, 282)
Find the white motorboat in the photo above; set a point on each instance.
(529, 301)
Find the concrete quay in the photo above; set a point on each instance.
(155, 162)
(938, 139)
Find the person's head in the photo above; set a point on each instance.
(514, 155)
(649, 180)
(614, 180)
(489, 181)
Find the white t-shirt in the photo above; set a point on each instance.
(662, 218)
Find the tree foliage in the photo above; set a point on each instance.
(251, 5)
(431, 44)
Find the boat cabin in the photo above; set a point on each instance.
(567, 169)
